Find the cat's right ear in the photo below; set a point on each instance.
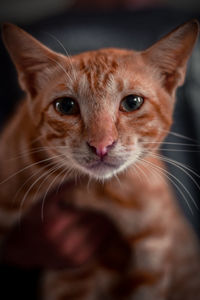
(34, 61)
(169, 56)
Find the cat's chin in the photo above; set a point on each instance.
(103, 170)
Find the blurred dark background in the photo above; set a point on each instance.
(85, 25)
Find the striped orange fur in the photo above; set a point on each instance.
(114, 149)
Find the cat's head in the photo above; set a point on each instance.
(100, 111)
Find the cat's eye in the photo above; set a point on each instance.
(66, 106)
(131, 103)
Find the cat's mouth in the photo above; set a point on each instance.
(102, 164)
(102, 169)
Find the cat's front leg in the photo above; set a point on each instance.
(77, 284)
(149, 277)
(142, 286)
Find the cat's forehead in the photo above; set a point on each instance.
(98, 71)
(108, 71)
(105, 57)
(104, 60)
(102, 77)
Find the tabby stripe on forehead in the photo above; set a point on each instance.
(90, 80)
(120, 85)
(105, 79)
(98, 73)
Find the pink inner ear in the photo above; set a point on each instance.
(170, 55)
(32, 59)
(173, 80)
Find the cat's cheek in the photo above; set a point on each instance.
(127, 134)
(61, 130)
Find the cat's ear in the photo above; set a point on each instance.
(169, 56)
(33, 61)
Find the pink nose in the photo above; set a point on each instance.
(102, 149)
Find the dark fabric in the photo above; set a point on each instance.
(134, 30)
(18, 284)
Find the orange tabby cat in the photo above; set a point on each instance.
(102, 115)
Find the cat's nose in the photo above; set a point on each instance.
(101, 149)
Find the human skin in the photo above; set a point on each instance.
(65, 238)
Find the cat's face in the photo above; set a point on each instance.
(100, 112)
(104, 112)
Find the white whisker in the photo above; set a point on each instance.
(29, 166)
(50, 185)
(62, 68)
(66, 52)
(176, 134)
(167, 175)
(181, 167)
(170, 143)
(24, 184)
(174, 177)
(30, 188)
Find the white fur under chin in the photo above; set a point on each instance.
(103, 172)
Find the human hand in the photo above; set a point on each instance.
(66, 238)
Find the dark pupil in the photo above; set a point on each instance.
(132, 102)
(66, 106)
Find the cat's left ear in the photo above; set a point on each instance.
(34, 61)
(168, 57)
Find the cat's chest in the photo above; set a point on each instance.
(129, 207)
